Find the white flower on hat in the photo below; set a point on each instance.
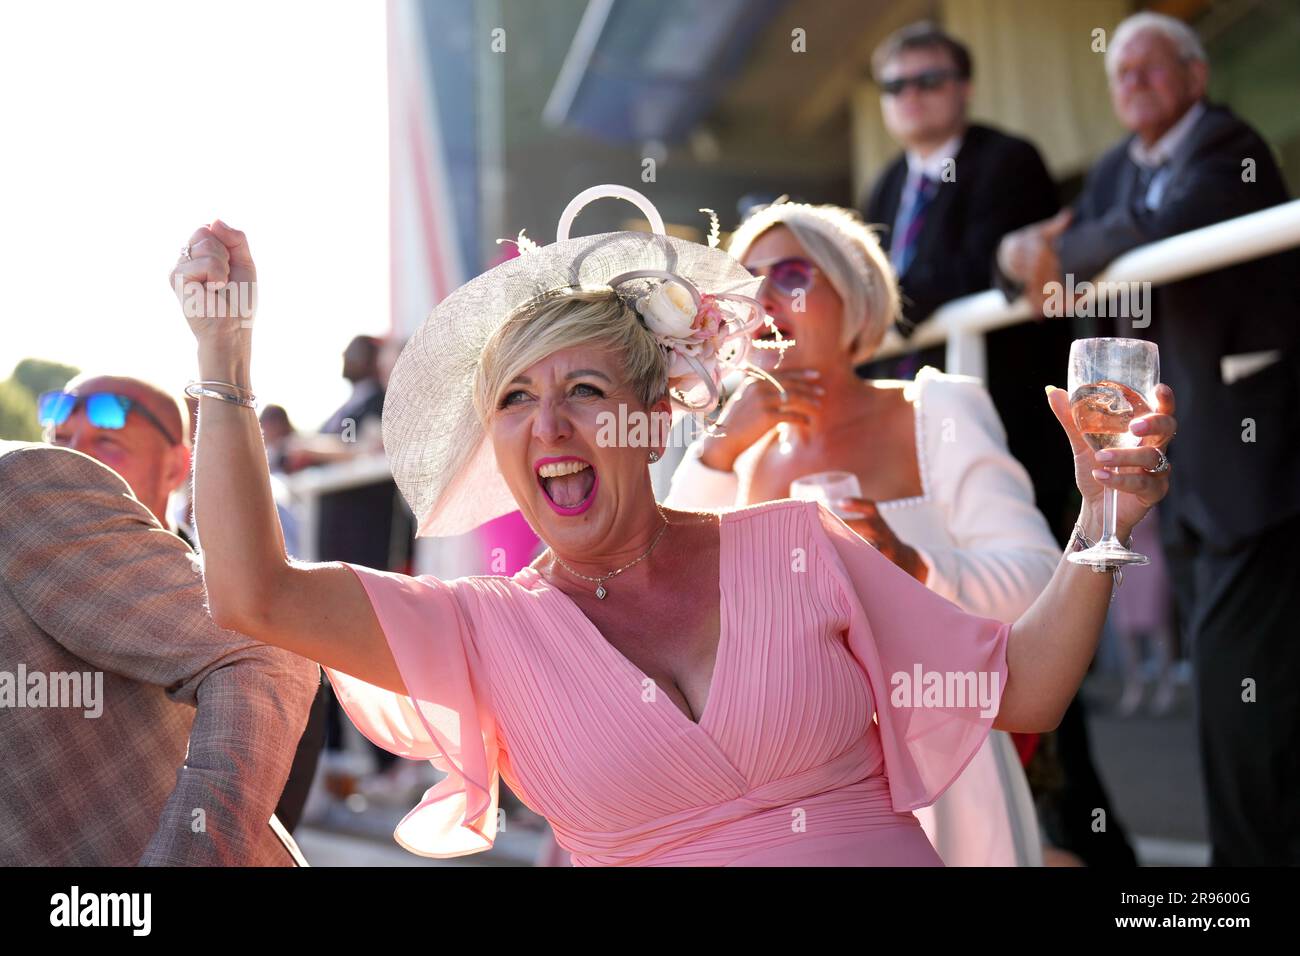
(692, 329)
(669, 310)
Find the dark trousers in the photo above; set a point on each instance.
(1082, 795)
(372, 527)
(305, 758)
(1240, 608)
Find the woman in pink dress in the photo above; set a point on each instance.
(757, 687)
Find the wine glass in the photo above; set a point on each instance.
(827, 487)
(1111, 382)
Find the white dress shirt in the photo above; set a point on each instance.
(1158, 154)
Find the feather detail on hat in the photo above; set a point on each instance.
(522, 243)
(715, 231)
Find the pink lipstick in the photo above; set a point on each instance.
(580, 507)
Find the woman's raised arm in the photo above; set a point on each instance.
(1053, 642)
(321, 611)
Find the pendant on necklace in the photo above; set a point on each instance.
(601, 592)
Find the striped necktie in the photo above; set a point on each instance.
(911, 231)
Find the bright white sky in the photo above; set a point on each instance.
(127, 125)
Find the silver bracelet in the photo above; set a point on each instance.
(243, 396)
(1077, 537)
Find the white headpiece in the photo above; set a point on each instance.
(695, 299)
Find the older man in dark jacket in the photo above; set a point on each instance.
(1230, 347)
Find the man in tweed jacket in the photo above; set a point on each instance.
(102, 617)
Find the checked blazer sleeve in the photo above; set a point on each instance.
(96, 572)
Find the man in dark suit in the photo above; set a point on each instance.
(1230, 347)
(942, 207)
(361, 368)
(358, 524)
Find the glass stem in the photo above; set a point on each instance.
(1109, 505)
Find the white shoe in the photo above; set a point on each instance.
(1131, 699)
(1164, 699)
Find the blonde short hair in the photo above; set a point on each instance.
(848, 253)
(570, 318)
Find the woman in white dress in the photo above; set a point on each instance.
(941, 495)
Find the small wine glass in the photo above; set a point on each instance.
(1111, 382)
(827, 487)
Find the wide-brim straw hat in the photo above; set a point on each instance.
(439, 453)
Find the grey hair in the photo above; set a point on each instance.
(1183, 37)
(847, 251)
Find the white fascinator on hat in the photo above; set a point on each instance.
(695, 299)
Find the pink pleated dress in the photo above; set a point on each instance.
(813, 747)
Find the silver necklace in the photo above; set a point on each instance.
(601, 590)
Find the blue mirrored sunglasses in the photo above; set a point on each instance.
(103, 410)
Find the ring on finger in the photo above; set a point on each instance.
(1161, 468)
(185, 253)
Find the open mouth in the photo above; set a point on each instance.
(568, 484)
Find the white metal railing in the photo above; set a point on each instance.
(963, 322)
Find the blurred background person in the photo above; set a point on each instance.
(942, 207)
(366, 403)
(1229, 341)
(353, 429)
(278, 433)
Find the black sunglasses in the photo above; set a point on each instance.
(929, 80)
(103, 410)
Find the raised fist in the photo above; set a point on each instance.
(215, 281)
